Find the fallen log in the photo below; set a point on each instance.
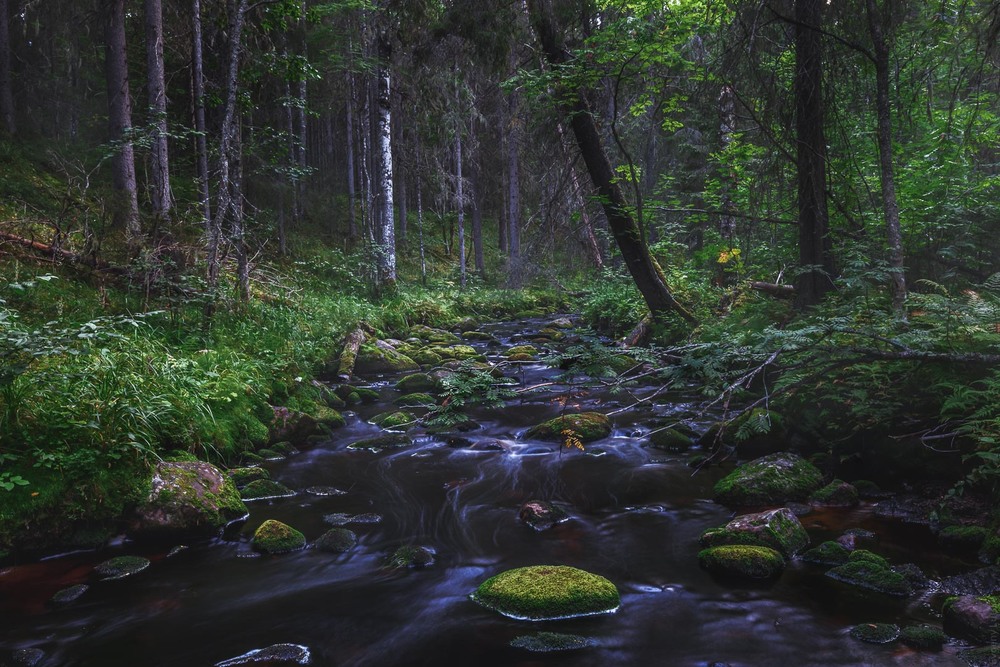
(349, 355)
(781, 291)
(59, 253)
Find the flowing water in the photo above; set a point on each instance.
(636, 514)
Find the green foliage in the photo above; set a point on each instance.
(468, 386)
(613, 304)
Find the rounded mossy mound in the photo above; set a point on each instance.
(546, 592)
(778, 529)
(243, 476)
(828, 553)
(743, 561)
(925, 637)
(274, 537)
(963, 537)
(418, 382)
(586, 426)
(669, 439)
(870, 571)
(876, 633)
(771, 480)
(262, 489)
(395, 421)
(336, 540)
(416, 400)
(837, 493)
(382, 358)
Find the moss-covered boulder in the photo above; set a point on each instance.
(480, 336)
(264, 489)
(418, 382)
(925, 637)
(872, 572)
(352, 395)
(523, 353)
(121, 567)
(416, 400)
(458, 353)
(778, 529)
(288, 425)
(269, 454)
(586, 426)
(380, 357)
(837, 493)
(336, 540)
(669, 439)
(426, 357)
(983, 656)
(327, 418)
(876, 633)
(69, 595)
(967, 538)
(551, 642)
(743, 561)
(827, 553)
(186, 500)
(411, 556)
(972, 617)
(541, 514)
(771, 480)
(395, 421)
(243, 476)
(431, 335)
(275, 537)
(560, 323)
(381, 442)
(546, 592)
(271, 656)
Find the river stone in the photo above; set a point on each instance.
(876, 633)
(70, 594)
(186, 500)
(411, 556)
(380, 442)
(265, 489)
(400, 420)
(431, 335)
(551, 642)
(418, 382)
(382, 359)
(973, 617)
(340, 518)
(837, 493)
(278, 654)
(984, 656)
(983, 581)
(275, 537)
(923, 637)
(870, 571)
(121, 567)
(669, 439)
(778, 529)
(481, 336)
(771, 480)
(416, 400)
(326, 491)
(23, 657)
(243, 476)
(547, 592)
(336, 540)
(541, 515)
(586, 426)
(287, 424)
(522, 353)
(459, 353)
(828, 553)
(742, 560)
(560, 323)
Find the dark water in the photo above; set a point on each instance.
(636, 517)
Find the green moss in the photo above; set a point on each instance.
(778, 529)
(380, 442)
(327, 417)
(530, 352)
(416, 400)
(871, 575)
(336, 540)
(923, 637)
(395, 420)
(261, 489)
(876, 633)
(543, 592)
(963, 537)
(838, 493)
(418, 382)
(993, 601)
(742, 560)
(426, 358)
(432, 335)
(270, 455)
(275, 537)
(865, 556)
(550, 642)
(410, 556)
(770, 480)
(984, 656)
(670, 440)
(178, 455)
(121, 567)
(377, 359)
(479, 336)
(458, 353)
(586, 426)
(718, 537)
(827, 553)
(990, 551)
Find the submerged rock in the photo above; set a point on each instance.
(742, 560)
(275, 537)
(778, 529)
(340, 519)
(586, 426)
(876, 633)
(837, 493)
(870, 571)
(277, 654)
(336, 540)
(400, 420)
(70, 594)
(828, 553)
(190, 499)
(411, 556)
(547, 592)
(973, 617)
(771, 480)
(380, 442)
(923, 637)
(326, 491)
(551, 642)
(264, 489)
(121, 567)
(670, 439)
(540, 514)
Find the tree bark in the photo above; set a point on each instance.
(815, 251)
(201, 130)
(727, 123)
(386, 251)
(587, 236)
(460, 206)
(126, 205)
(642, 266)
(477, 220)
(352, 225)
(6, 92)
(161, 196)
(513, 236)
(890, 205)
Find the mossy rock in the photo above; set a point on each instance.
(275, 537)
(271, 656)
(551, 642)
(431, 335)
(328, 418)
(586, 426)
(418, 382)
(984, 656)
(876, 633)
(180, 455)
(560, 323)
(376, 358)
(743, 561)
(524, 352)
(400, 420)
(121, 567)
(381, 442)
(866, 556)
(827, 553)
(458, 353)
(243, 476)
(521, 357)
(411, 556)
(963, 537)
(480, 336)
(541, 514)
(925, 637)
(69, 595)
(837, 493)
(426, 358)
(416, 400)
(772, 480)
(547, 592)
(972, 617)
(269, 454)
(285, 448)
(551, 334)
(778, 529)
(336, 540)
(669, 439)
(990, 551)
(871, 574)
(264, 489)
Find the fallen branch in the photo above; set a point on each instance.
(349, 355)
(59, 253)
(782, 291)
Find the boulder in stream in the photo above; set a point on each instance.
(418, 382)
(925, 637)
(432, 335)
(277, 654)
(743, 561)
(265, 489)
(189, 499)
(865, 569)
(586, 426)
(837, 493)
(376, 358)
(547, 592)
(669, 439)
(336, 540)
(69, 595)
(395, 421)
(275, 537)
(243, 476)
(551, 642)
(541, 514)
(778, 529)
(411, 556)
(121, 567)
(771, 480)
(827, 553)
(380, 442)
(876, 633)
(972, 617)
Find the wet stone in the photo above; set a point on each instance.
(70, 594)
(876, 633)
(121, 567)
(541, 515)
(336, 540)
(24, 657)
(411, 556)
(277, 654)
(325, 491)
(264, 489)
(341, 519)
(551, 642)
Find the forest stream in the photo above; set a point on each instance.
(635, 517)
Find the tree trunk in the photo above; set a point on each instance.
(420, 231)
(475, 185)
(645, 271)
(301, 123)
(6, 92)
(890, 205)
(513, 236)
(386, 251)
(352, 225)
(162, 198)
(402, 204)
(727, 123)
(201, 130)
(126, 204)
(815, 252)
(460, 206)
(587, 236)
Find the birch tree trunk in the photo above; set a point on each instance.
(161, 196)
(352, 225)
(386, 251)
(6, 92)
(126, 204)
(201, 130)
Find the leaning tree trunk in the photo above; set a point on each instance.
(890, 205)
(126, 204)
(815, 252)
(162, 198)
(642, 266)
(6, 93)
(386, 251)
(198, 88)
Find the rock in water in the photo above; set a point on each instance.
(382, 359)
(551, 642)
(876, 633)
(190, 499)
(274, 537)
(972, 617)
(263, 489)
(867, 570)
(586, 426)
(70, 594)
(336, 540)
(121, 567)
(778, 529)
(540, 514)
(742, 560)
(278, 654)
(547, 592)
(772, 480)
